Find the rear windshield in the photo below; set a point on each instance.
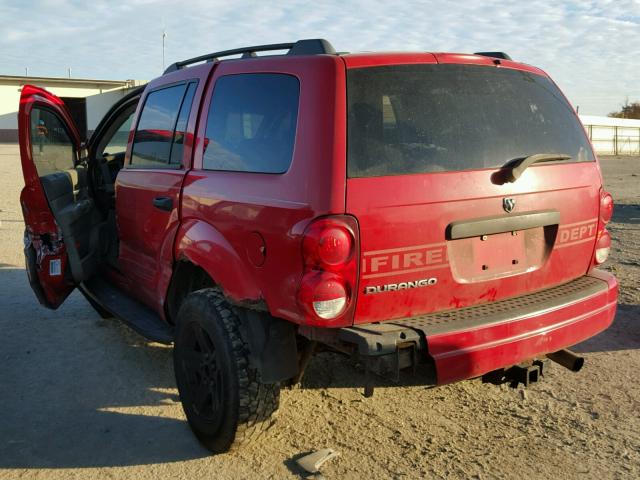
(407, 119)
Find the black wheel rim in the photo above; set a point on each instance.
(202, 370)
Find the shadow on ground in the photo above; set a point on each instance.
(626, 213)
(623, 334)
(78, 391)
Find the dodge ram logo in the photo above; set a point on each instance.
(508, 204)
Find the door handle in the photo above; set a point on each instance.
(163, 203)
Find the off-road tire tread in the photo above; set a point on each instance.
(257, 401)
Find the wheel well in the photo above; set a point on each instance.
(187, 277)
(272, 341)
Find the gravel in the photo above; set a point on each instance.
(83, 397)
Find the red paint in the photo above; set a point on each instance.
(247, 230)
(389, 223)
(361, 60)
(143, 229)
(204, 245)
(278, 207)
(474, 352)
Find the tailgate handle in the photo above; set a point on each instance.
(501, 224)
(163, 203)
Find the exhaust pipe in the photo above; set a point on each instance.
(567, 359)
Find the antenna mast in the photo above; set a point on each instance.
(164, 35)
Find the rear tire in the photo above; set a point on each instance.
(224, 401)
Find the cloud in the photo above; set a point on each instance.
(590, 48)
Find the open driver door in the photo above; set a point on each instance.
(49, 151)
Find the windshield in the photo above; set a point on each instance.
(407, 119)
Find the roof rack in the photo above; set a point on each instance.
(314, 46)
(501, 55)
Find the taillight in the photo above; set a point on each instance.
(606, 207)
(328, 285)
(327, 245)
(603, 239)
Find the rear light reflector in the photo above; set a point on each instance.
(334, 245)
(603, 247)
(606, 207)
(327, 246)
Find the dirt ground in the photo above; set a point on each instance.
(82, 397)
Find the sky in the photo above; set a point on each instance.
(590, 48)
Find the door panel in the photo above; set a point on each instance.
(143, 227)
(49, 144)
(148, 189)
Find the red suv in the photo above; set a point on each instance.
(413, 210)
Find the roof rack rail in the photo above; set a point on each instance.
(501, 55)
(314, 46)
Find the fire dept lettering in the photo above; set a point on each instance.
(577, 233)
(383, 263)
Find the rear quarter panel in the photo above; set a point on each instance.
(262, 216)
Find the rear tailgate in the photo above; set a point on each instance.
(439, 227)
(403, 234)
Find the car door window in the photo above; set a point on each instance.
(52, 148)
(120, 137)
(181, 126)
(162, 126)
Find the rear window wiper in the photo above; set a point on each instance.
(519, 165)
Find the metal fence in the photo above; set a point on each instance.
(614, 140)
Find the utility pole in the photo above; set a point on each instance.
(164, 35)
(26, 71)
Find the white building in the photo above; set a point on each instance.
(613, 136)
(87, 99)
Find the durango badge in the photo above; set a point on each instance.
(394, 287)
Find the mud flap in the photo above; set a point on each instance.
(272, 342)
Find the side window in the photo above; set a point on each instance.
(118, 142)
(251, 126)
(156, 127)
(181, 125)
(51, 146)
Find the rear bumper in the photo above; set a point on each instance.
(470, 342)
